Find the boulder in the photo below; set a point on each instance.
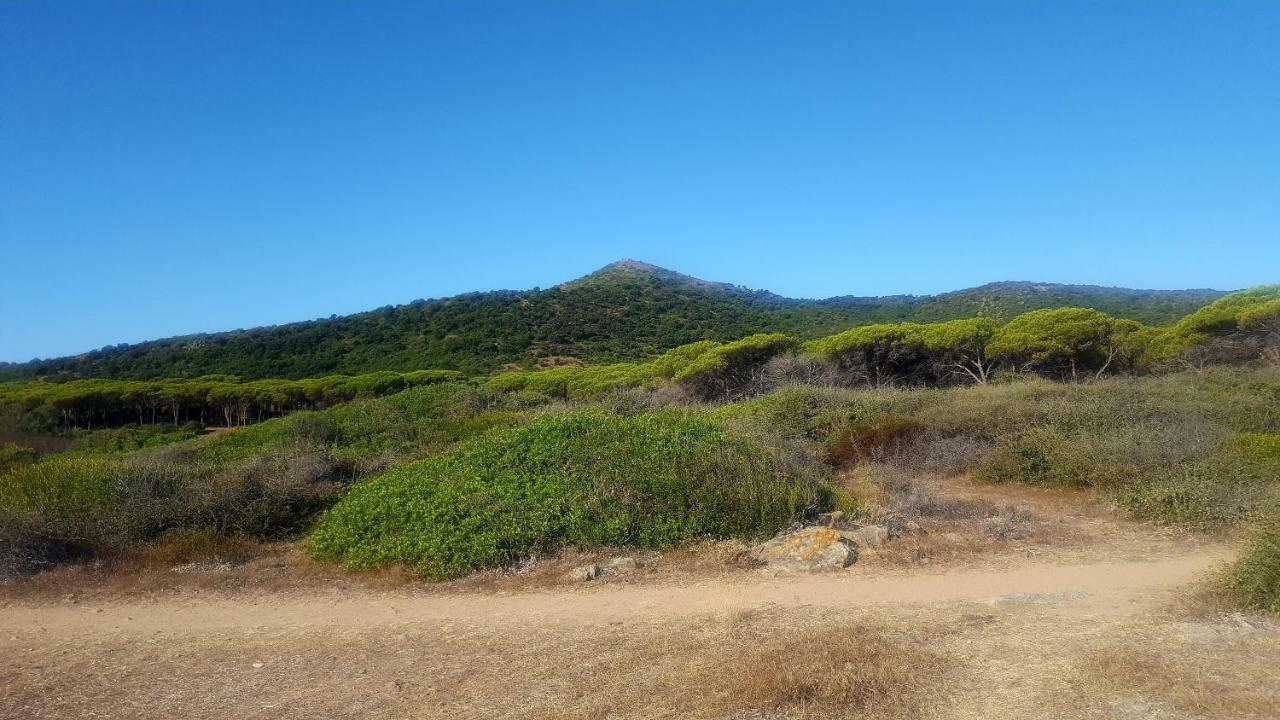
(586, 572)
(622, 564)
(807, 550)
(868, 536)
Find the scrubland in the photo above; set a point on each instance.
(1095, 498)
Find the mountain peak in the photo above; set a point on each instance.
(634, 266)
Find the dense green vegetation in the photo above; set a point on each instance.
(581, 478)
(53, 406)
(1239, 325)
(1254, 581)
(580, 381)
(1066, 343)
(263, 481)
(623, 313)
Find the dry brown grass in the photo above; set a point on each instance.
(760, 663)
(746, 665)
(1212, 671)
(842, 671)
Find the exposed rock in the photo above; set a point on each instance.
(831, 519)
(868, 536)
(807, 550)
(586, 572)
(622, 564)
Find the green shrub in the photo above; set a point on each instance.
(412, 423)
(59, 510)
(13, 455)
(60, 487)
(1194, 495)
(870, 439)
(264, 481)
(131, 437)
(847, 502)
(674, 361)
(582, 479)
(1039, 457)
(1253, 581)
(816, 413)
(585, 381)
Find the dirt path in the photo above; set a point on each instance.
(1104, 587)
(1021, 630)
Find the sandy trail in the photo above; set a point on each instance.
(1109, 587)
(1022, 630)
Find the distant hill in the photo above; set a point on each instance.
(626, 310)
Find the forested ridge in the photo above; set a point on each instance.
(625, 311)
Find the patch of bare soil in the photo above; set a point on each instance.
(1071, 614)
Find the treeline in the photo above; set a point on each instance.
(1062, 343)
(625, 312)
(1067, 343)
(214, 399)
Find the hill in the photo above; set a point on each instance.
(626, 310)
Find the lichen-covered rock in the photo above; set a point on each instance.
(808, 550)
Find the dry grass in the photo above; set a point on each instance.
(757, 664)
(1217, 669)
(842, 671)
(765, 663)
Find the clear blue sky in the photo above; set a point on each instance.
(169, 167)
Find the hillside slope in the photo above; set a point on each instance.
(626, 310)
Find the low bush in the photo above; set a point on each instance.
(1193, 448)
(409, 424)
(816, 413)
(200, 546)
(62, 487)
(871, 439)
(588, 381)
(13, 455)
(581, 479)
(1040, 457)
(930, 453)
(1204, 495)
(262, 482)
(131, 437)
(1253, 581)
